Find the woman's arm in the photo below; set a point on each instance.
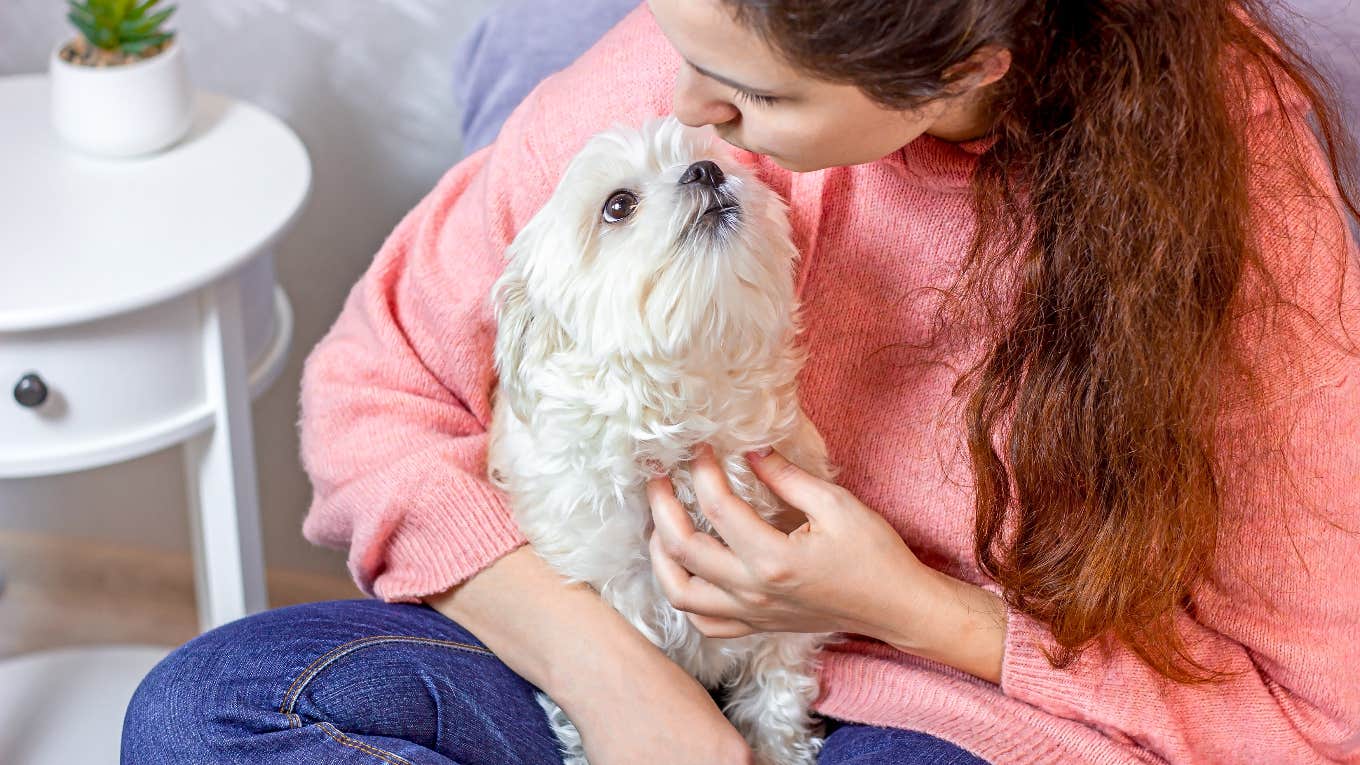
(955, 623)
(396, 403)
(551, 633)
(626, 698)
(396, 397)
(561, 637)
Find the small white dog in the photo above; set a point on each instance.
(649, 306)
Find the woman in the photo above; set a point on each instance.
(1073, 281)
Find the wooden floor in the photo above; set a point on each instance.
(63, 592)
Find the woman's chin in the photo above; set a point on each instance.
(793, 166)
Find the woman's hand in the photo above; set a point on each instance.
(845, 569)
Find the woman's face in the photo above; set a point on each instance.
(809, 124)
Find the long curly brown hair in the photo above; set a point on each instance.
(1124, 197)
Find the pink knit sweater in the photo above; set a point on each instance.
(395, 410)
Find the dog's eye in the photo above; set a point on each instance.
(620, 205)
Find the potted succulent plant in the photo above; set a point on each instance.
(120, 88)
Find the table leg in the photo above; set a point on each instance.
(224, 512)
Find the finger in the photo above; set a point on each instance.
(696, 552)
(688, 593)
(793, 484)
(671, 519)
(720, 628)
(740, 526)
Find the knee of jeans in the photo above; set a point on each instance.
(272, 670)
(209, 680)
(165, 707)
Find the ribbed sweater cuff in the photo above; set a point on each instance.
(871, 691)
(458, 526)
(1026, 673)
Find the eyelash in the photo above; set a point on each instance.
(756, 99)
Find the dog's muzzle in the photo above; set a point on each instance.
(707, 179)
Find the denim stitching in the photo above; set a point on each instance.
(295, 690)
(385, 756)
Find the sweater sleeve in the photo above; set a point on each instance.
(396, 397)
(1281, 611)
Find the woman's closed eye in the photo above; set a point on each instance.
(755, 98)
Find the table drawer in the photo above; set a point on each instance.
(119, 387)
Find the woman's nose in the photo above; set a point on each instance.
(696, 106)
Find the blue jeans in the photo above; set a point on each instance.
(363, 681)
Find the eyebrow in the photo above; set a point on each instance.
(727, 82)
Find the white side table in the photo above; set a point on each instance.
(138, 310)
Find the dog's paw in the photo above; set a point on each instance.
(794, 750)
(568, 738)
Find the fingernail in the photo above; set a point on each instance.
(763, 451)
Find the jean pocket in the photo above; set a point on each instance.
(299, 684)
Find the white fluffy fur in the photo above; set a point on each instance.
(622, 345)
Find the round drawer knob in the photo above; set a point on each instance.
(31, 390)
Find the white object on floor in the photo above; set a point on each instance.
(66, 706)
(139, 310)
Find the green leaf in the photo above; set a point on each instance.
(140, 11)
(121, 8)
(102, 16)
(145, 26)
(81, 12)
(105, 38)
(86, 28)
(141, 45)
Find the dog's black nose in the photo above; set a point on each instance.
(705, 172)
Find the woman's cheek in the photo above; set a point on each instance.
(791, 145)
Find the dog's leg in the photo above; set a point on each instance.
(573, 751)
(770, 700)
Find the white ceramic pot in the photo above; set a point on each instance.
(122, 111)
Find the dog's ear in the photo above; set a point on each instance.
(525, 338)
